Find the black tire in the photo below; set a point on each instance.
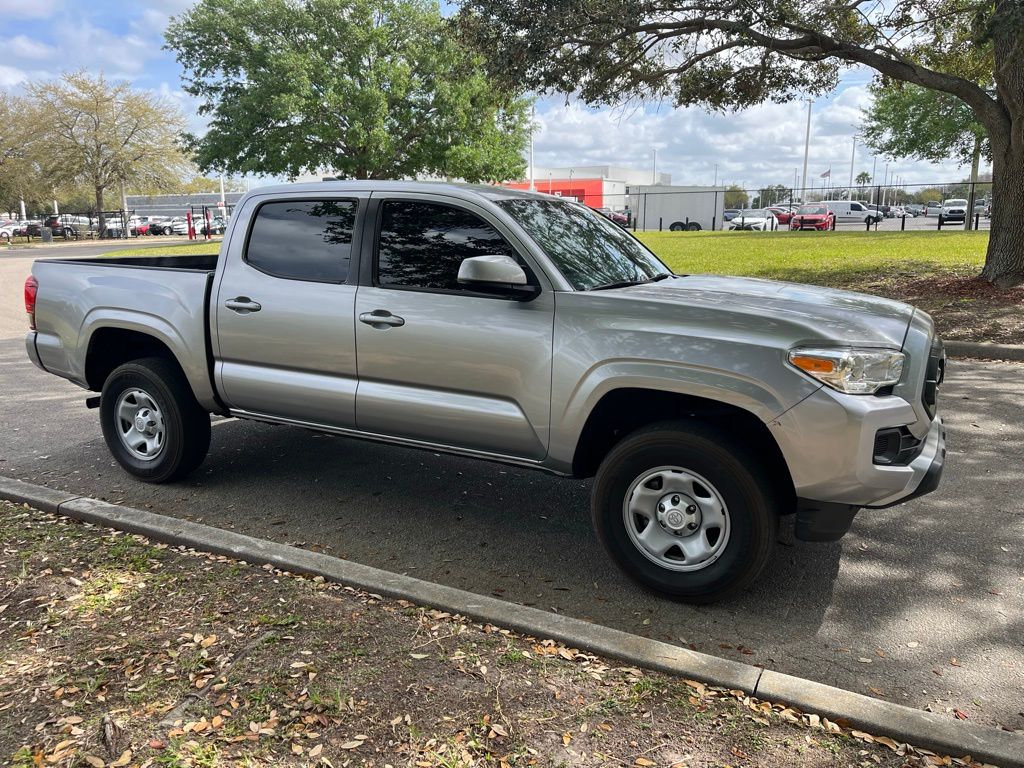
(676, 226)
(742, 481)
(186, 434)
(693, 226)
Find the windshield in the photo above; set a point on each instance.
(756, 213)
(956, 201)
(588, 250)
(811, 210)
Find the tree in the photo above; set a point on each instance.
(361, 88)
(773, 195)
(907, 120)
(735, 197)
(727, 54)
(20, 178)
(88, 131)
(198, 184)
(863, 179)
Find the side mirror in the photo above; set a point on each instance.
(496, 274)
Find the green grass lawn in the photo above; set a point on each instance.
(827, 258)
(203, 247)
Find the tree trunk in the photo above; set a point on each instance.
(99, 211)
(973, 194)
(1004, 262)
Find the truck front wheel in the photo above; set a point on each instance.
(151, 421)
(686, 511)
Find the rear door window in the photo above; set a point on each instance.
(303, 239)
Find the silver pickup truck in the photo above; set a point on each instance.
(518, 328)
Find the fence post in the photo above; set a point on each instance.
(714, 223)
(977, 221)
(659, 223)
(903, 222)
(940, 219)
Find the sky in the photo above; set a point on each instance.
(755, 147)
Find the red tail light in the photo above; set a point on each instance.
(31, 287)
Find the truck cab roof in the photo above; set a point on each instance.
(455, 189)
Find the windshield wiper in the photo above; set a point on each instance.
(627, 283)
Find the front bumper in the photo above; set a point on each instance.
(827, 441)
(819, 225)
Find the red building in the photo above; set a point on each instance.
(589, 191)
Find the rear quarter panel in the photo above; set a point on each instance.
(77, 299)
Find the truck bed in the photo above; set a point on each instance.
(193, 263)
(166, 297)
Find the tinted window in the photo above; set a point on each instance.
(421, 245)
(856, 207)
(588, 250)
(303, 239)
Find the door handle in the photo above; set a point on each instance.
(243, 305)
(381, 319)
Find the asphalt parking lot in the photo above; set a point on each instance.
(921, 604)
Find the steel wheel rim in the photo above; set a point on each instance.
(140, 424)
(676, 519)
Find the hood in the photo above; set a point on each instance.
(791, 313)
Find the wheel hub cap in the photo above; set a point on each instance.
(140, 424)
(676, 518)
(679, 514)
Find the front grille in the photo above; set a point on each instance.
(934, 373)
(895, 445)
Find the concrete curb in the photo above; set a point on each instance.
(924, 729)
(984, 350)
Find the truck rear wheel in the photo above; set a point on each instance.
(151, 421)
(686, 511)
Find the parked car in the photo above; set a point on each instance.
(954, 209)
(177, 225)
(67, 225)
(782, 213)
(619, 218)
(914, 209)
(814, 216)
(759, 219)
(705, 406)
(9, 229)
(852, 212)
(933, 208)
(730, 213)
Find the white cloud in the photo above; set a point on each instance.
(29, 9)
(11, 76)
(758, 146)
(26, 48)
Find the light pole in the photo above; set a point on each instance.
(807, 144)
(654, 170)
(853, 159)
(716, 176)
(874, 180)
(533, 118)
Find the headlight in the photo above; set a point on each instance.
(854, 371)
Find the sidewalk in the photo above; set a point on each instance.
(119, 652)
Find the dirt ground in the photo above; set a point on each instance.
(120, 652)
